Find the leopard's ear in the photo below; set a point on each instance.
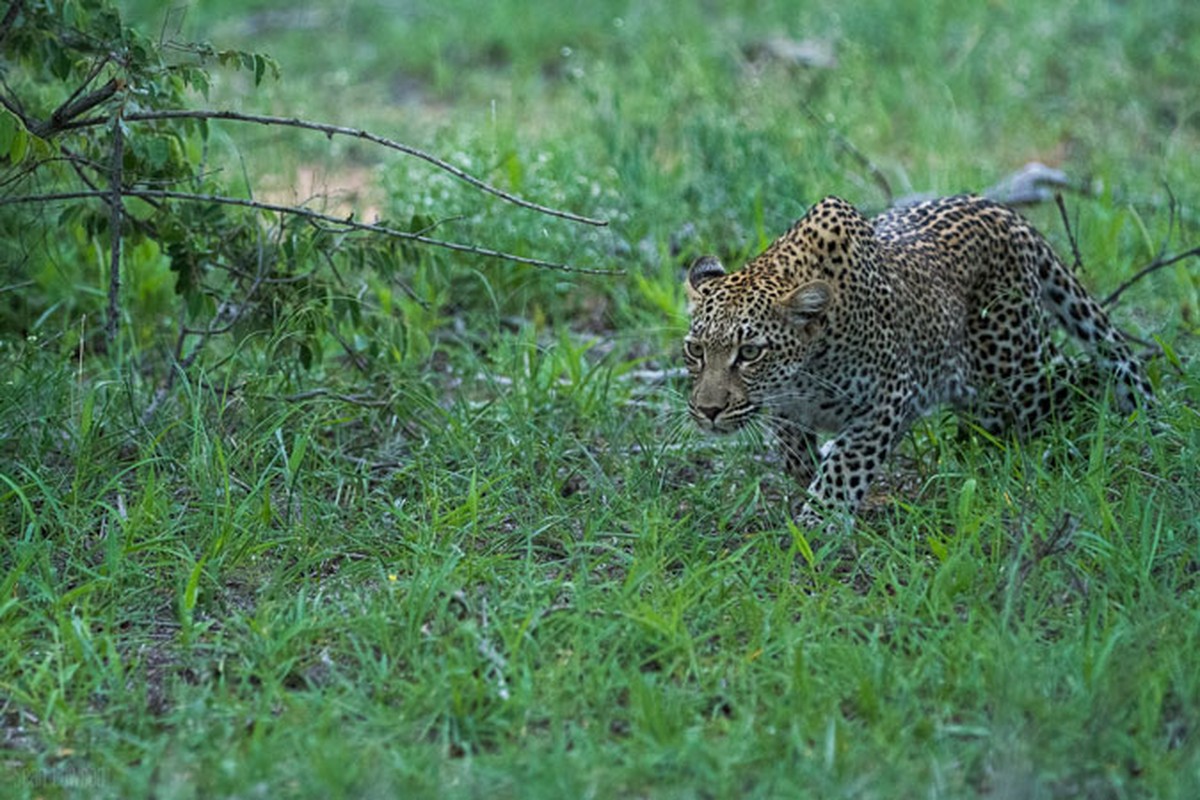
(703, 269)
(805, 302)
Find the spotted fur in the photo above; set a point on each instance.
(856, 327)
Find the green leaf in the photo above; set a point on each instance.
(802, 545)
(139, 209)
(14, 139)
(20, 146)
(1169, 353)
(938, 549)
(8, 129)
(198, 78)
(967, 523)
(306, 356)
(86, 413)
(299, 448)
(158, 153)
(191, 591)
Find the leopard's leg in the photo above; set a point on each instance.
(1032, 385)
(1051, 392)
(850, 462)
(1084, 318)
(798, 446)
(1022, 379)
(1027, 399)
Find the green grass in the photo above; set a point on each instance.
(525, 575)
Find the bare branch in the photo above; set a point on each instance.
(1062, 210)
(1172, 207)
(60, 119)
(12, 104)
(177, 366)
(14, 8)
(1055, 543)
(863, 160)
(1156, 264)
(65, 112)
(180, 363)
(356, 133)
(1161, 260)
(116, 217)
(365, 400)
(348, 224)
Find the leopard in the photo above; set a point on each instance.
(848, 329)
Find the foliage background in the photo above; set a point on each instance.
(436, 524)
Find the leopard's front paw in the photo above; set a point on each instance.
(829, 520)
(809, 518)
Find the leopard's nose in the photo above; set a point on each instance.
(710, 411)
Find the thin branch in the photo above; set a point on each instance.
(1161, 260)
(161, 393)
(13, 104)
(180, 363)
(364, 400)
(231, 317)
(1172, 207)
(863, 160)
(62, 113)
(356, 133)
(358, 461)
(1055, 543)
(1153, 266)
(1062, 210)
(25, 171)
(60, 119)
(357, 360)
(349, 224)
(14, 8)
(79, 163)
(116, 216)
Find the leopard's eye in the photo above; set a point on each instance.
(750, 352)
(693, 351)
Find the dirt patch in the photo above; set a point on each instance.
(340, 191)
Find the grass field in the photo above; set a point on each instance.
(522, 574)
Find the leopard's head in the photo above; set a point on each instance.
(749, 334)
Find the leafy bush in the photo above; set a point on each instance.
(115, 209)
